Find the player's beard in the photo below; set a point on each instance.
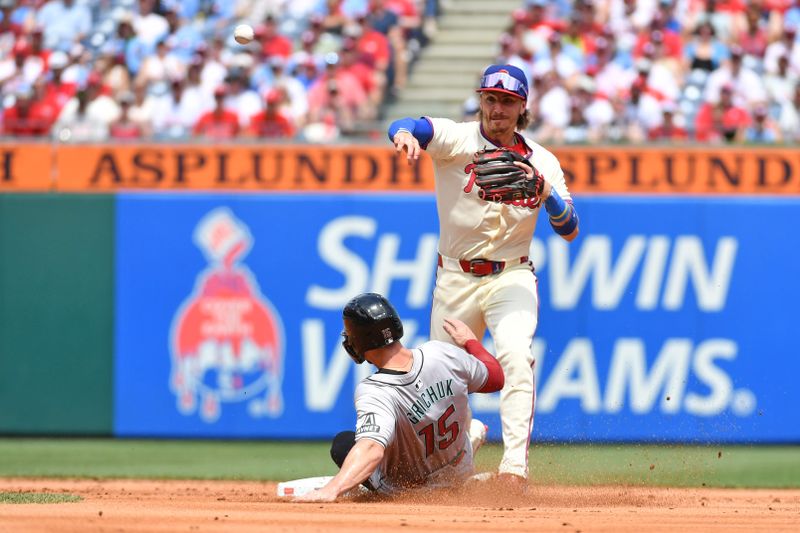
(500, 125)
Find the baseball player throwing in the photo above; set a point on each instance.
(491, 183)
(414, 425)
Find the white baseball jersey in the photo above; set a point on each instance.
(421, 417)
(506, 303)
(471, 228)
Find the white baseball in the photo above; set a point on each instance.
(243, 33)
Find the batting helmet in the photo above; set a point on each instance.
(370, 322)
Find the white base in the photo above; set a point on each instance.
(299, 487)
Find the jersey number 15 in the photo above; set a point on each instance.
(447, 433)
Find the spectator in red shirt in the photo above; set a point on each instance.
(753, 38)
(272, 42)
(37, 46)
(56, 91)
(348, 92)
(124, 127)
(25, 118)
(671, 41)
(333, 110)
(722, 121)
(667, 131)
(44, 108)
(537, 18)
(373, 45)
(219, 123)
(371, 81)
(272, 123)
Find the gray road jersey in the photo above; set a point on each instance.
(421, 417)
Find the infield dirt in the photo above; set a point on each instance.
(146, 505)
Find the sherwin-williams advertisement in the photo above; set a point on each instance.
(664, 321)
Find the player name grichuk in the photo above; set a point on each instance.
(434, 393)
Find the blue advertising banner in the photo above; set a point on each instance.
(666, 320)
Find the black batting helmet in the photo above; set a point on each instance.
(370, 322)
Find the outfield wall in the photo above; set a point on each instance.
(217, 314)
(56, 314)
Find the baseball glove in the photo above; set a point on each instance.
(500, 180)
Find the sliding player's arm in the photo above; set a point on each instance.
(360, 463)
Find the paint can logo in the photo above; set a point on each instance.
(227, 339)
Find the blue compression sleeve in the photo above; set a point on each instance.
(563, 217)
(555, 205)
(420, 128)
(568, 226)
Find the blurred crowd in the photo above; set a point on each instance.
(599, 70)
(93, 70)
(658, 70)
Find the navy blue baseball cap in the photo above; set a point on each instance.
(506, 79)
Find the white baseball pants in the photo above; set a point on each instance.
(508, 304)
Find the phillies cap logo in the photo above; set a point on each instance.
(227, 339)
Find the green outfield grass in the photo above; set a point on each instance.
(679, 466)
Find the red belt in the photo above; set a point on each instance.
(483, 267)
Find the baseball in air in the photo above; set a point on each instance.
(243, 33)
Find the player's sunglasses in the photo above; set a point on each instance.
(504, 80)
